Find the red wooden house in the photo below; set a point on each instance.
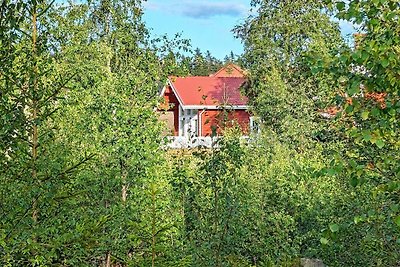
(200, 106)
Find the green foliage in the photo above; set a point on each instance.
(35, 167)
(283, 92)
(84, 182)
(289, 93)
(369, 96)
(203, 65)
(80, 98)
(262, 204)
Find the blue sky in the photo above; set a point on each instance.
(208, 23)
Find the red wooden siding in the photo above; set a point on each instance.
(216, 120)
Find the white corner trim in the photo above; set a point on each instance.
(163, 91)
(200, 122)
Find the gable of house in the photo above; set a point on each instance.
(230, 70)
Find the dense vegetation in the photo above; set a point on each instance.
(84, 182)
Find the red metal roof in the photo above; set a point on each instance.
(209, 91)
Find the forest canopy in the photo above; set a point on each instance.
(84, 180)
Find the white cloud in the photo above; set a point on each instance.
(199, 9)
(210, 9)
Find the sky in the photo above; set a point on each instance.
(207, 23)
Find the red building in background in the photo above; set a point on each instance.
(201, 106)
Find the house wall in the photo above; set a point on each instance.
(217, 120)
(171, 104)
(212, 120)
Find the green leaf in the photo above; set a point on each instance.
(371, 213)
(354, 88)
(354, 181)
(340, 6)
(315, 70)
(379, 143)
(367, 136)
(397, 220)
(349, 109)
(343, 59)
(324, 241)
(384, 62)
(374, 21)
(394, 207)
(331, 172)
(334, 227)
(364, 115)
(375, 112)
(356, 55)
(353, 163)
(358, 219)
(364, 56)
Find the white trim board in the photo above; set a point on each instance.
(215, 107)
(173, 90)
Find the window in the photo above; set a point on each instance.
(255, 125)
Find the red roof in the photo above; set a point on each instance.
(209, 91)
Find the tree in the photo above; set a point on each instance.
(277, 38)
(368, 88)
(78, 91)
(232, 58)
(112, 112)
(204, 65)
(289, 93)
(173, 54)
(37, 167)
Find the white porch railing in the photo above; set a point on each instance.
(179, 142)
(176, 142)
